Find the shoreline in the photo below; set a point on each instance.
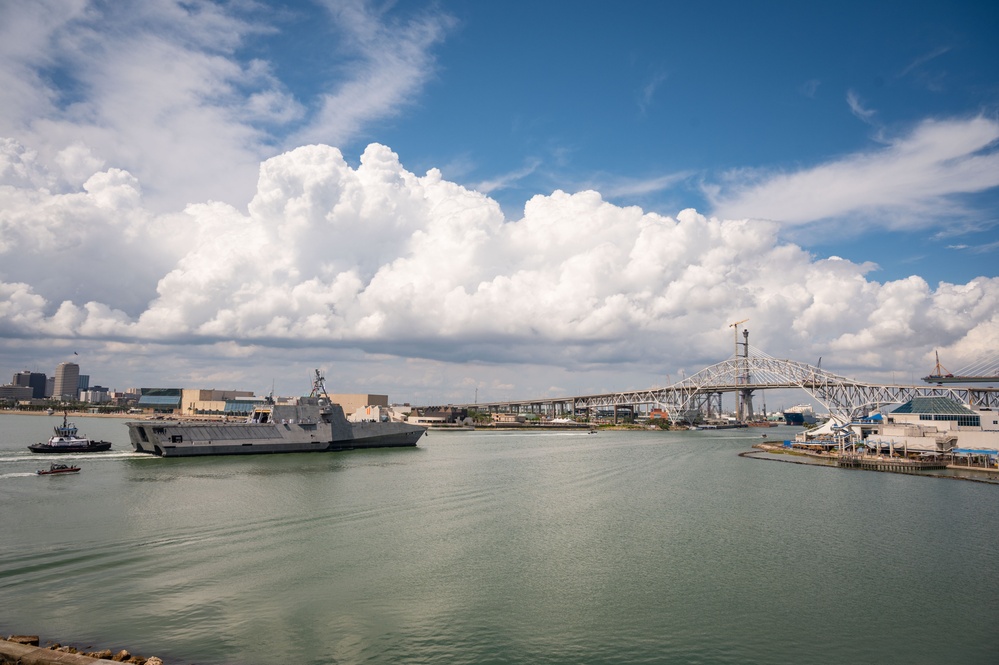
(78, 414)
(25, 649)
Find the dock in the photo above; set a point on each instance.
(891, 465)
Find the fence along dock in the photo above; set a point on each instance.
(892, 465)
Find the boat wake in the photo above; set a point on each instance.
(8, 456)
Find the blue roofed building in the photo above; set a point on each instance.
(939, 425)
(160, 400)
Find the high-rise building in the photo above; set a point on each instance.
(67, 381)
(84, 382)
(33, 380)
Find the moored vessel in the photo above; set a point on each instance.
(67, 440)
(801, 414)
(310, 424)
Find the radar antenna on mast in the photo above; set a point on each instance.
(319, 386)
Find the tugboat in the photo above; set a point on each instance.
(58, 468)
(66, 440)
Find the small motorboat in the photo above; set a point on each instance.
(67, 440)
(58, 468)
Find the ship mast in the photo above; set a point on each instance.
(319, 386)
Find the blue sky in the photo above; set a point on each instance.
(652, 103)
(517, 224)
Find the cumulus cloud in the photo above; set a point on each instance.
(912, 181)
(379, 259)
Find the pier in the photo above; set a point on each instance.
(891, 465)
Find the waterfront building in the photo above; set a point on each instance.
(352, 402)
(67, 381)
(371, 414)
(96, 395)
(427, 415)
(10, 393)
(195, 401)
(127, 398)
(83, 383)
(160, 400)
(938, 425)
(509, 419)
(235, 403)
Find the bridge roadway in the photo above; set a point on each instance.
(846, 399)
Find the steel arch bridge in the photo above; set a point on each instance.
(845, 398)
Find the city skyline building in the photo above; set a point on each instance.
(67, 381)
(34, 380)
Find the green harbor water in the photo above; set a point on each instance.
(496, 547)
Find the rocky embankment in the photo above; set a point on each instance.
(25, 650)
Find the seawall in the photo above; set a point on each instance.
(23, 650)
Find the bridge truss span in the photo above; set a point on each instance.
(845, 398)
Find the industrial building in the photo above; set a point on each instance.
(237, 403)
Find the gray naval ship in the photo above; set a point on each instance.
(313, 424)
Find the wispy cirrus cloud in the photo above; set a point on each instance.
(389, 63)
(506, 180)
(923, 59)
(810, 88)
(857, 107)
(648, 91)
(913, 180)
(930, 78)
(985, 248)
(170, 90)
(624, 187)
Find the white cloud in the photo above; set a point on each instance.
(857, 107)
(649, 91)
(619, 187)
(507, 179)
(911, 182)
(810, 88)
(161, 88)
(387, 65)
(329, 258)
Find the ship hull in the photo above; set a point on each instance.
(178, 439)
(799, 418)
(91, 447)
